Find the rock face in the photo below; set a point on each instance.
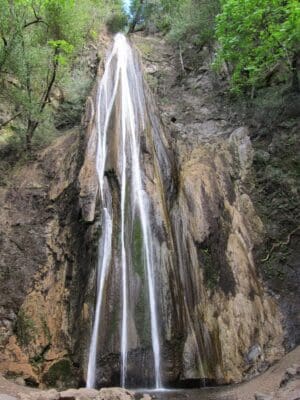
(217, 321)
(42, 262)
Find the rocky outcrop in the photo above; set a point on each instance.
(42, 260)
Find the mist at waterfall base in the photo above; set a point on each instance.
(121, 76)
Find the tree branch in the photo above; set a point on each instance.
(279, 244)
(9, 120)
(36, 21)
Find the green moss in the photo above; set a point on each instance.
(137, 249)
(142, 309)
(46, 329)
(60, 371)
(24, 328)
(211, 271)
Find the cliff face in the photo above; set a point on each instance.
(42, 264)
(218, 320)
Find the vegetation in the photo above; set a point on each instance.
(41, 42)
(40, 39)
(257, 38)
(59, 371)
(24, 328)
(254, 39)
(185, 21)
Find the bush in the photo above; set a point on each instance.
(116, 23)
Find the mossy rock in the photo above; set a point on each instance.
(59, 372)
(25, 328)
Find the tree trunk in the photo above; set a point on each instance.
(136, 17)
(31, 127)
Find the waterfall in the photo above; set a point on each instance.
(120, 106)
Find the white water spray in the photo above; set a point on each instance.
(121, 88)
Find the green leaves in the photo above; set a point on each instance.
(255, 36)
(39, 41)
(61, 50)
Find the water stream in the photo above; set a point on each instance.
(119, 120)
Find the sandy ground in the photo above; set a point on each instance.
(267, 383)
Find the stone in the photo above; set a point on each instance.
(291, 371)
(290, 374)
(88, 393)
(254, 353)
(51, 394)
(20, 381)
(7, 397)
(79, 394)
(262, 396)
(146, 396)
(115, 394)
(70, 394)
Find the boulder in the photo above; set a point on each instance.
(115, 394)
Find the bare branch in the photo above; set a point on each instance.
(9, 120)
(279, 244)
(36, 21)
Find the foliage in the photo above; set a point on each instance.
(185, 21)
(194, 22)
(116, 22)
(24, 328)
(40, 39)
(255, 37)
(59, 371)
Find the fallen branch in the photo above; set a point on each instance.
(279, 244)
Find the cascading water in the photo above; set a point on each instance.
(120, 98)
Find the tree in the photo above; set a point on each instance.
(256, 37)
(39, 40)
